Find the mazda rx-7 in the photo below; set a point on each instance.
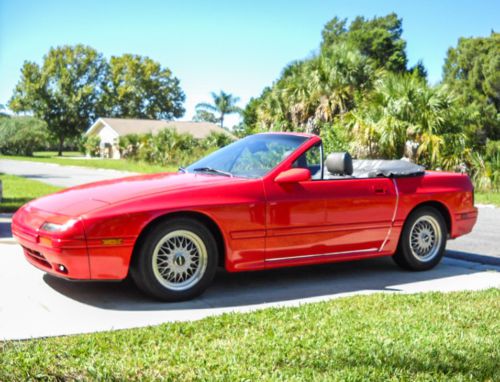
(265, 201)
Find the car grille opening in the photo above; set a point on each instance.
(37, 257)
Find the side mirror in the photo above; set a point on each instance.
(293, 175)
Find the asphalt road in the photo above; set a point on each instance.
(63, 176)
(483, 244)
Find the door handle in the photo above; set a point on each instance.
(379, 190)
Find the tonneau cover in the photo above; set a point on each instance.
(386, 168)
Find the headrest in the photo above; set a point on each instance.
(339, 164)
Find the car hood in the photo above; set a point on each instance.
(82, 199)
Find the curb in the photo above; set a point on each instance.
(485, 205)
(9, 240)
(487, 260)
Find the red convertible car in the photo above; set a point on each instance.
(266, 201)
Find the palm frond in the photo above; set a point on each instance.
(207, 106)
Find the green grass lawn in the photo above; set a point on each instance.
(429, 336)
(488, 198)
(113, 164)
(65, 154)
(18, 191)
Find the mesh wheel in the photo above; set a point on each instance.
(423, 240)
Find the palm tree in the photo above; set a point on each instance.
(404, 110)
(313, 92)
(223, 104)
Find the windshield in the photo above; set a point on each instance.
(250, 157)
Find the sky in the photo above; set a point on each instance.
(237, 46)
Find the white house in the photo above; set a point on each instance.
(109, 130)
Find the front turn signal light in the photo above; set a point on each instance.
(45, 241)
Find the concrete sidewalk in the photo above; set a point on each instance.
(57, 175)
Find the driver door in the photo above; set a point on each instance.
(296, 212)
(309, 220)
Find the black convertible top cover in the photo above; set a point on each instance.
(385, 168)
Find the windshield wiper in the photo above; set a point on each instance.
(212, 170)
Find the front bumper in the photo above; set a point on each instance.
(62, 255)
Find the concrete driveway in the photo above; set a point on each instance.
(33, 304)
(57, 175)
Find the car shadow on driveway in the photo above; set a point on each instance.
(261, 287)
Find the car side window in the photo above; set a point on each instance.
(312, 159)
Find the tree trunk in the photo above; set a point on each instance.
(222, 120)
(61, 144)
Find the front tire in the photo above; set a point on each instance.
(423, 241)
(176, 260)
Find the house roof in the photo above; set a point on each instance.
(124, 126)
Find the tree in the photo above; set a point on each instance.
(223, 104)
(419, 69)
(333, 31)
(312, 92)
(359, 95)
(22, 135)
(139, 87)
(205, 116)
(75, 85)
(403, 108)
(472, 70)
(250, 118)
(337, 76)
(379, 39)
(64, 91)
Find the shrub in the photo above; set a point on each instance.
(485, 171)
(334, 137)
(215, 140)
(170, 147)
(92, 146)
(22, 135)
(129, 145)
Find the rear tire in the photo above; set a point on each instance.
(423, 241)
(176, 260)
